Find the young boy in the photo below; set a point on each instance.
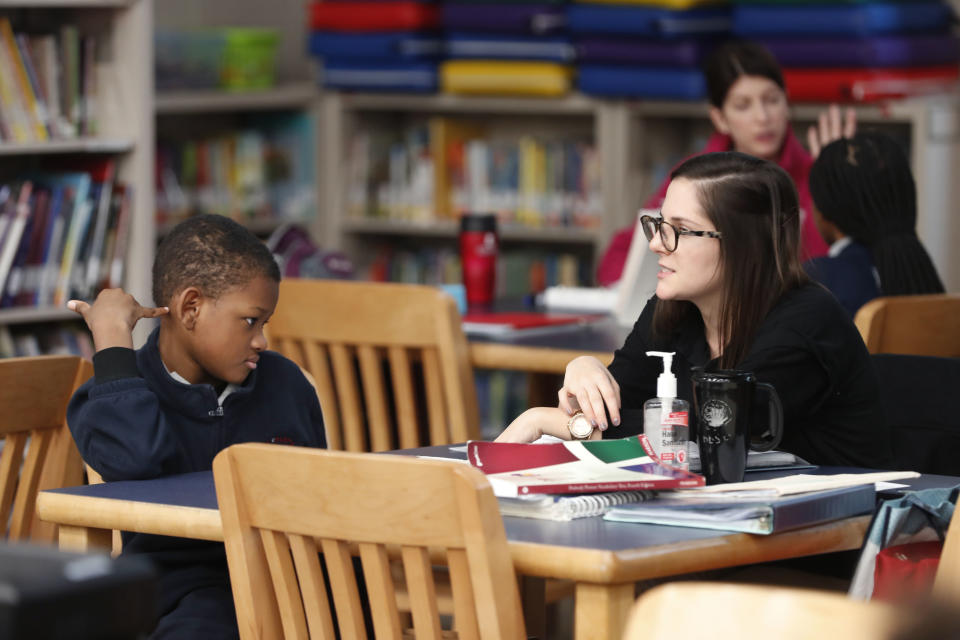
(203, 381)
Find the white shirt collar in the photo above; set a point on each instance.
(837, 247)
(230, 388)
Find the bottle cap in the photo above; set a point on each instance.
(667, 382)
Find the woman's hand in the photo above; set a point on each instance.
(829, 127)
(112, 316)
(533, 423)
(589, 387)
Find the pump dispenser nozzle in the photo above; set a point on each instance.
(666, 382)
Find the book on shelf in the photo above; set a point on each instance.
(19, 211)
(751, 515)
(48, 86)
(582, 466)
(447, 166)
(34, 121)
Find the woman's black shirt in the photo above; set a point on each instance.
(807, 348)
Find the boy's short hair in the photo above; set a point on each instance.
(210, 252)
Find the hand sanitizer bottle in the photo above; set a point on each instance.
(666, 418)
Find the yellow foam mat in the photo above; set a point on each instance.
(501, 77)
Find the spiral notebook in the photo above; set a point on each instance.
(566, 508)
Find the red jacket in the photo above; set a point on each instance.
(794, 159)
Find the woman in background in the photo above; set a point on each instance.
(750, 113)
(731, 293)
(865, 205)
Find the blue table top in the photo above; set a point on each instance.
(197, 490)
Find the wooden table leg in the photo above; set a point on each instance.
(84, 538)
(601, 610)
(533, 597)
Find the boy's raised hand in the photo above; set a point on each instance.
(112, 316)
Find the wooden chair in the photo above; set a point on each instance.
(282, 506)
(337, 329)
(696, 610)
(927, 325)
(38, 451)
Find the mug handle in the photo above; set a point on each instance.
(776, 419)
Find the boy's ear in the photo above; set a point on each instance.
(188, 306)
(719, 121)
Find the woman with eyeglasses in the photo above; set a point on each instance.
(731, 294)
(750, 113)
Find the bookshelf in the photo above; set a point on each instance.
(637, 143)
(189, 116)
(122, 72)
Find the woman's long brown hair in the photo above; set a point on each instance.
(754, 204)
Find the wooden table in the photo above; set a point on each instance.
(604, 559)
(547, 350)
(544, 354)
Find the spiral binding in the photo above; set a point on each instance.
(565, 508)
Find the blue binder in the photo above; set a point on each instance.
(850, 19)
(371, 75)
(533, 19)
(752, 516)
(876, 51)
(685, 52)
(647, 21)
(501, 47)
(641, 82)
(406, 45)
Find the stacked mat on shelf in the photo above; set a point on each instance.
(506, 47)
(645, 48)
(386, 45)
(855, 50)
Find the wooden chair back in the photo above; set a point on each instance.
(390, 361)
(38, 451)
(282, 507)
(696, 610)
(927, 325)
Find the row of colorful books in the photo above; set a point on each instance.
(71, 339)
(445, 168)
(62, 235)
(263, 171)
(47, 84)
(630, 48)
(518, 273)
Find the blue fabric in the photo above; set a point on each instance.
(153, 426)
(849, 276)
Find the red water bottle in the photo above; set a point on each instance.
(478, 253)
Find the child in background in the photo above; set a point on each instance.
(203, 381)
(865, 206)
(750, 112)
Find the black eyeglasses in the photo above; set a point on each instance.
(669, 234)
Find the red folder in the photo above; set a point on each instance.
(372, 16)
(865, 85)
(506, 321)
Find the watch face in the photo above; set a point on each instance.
(580, 427)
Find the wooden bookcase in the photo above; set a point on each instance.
(124, 72)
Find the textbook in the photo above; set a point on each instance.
(761, 516)
(500, 322)
(565, 508)
(580, 466)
